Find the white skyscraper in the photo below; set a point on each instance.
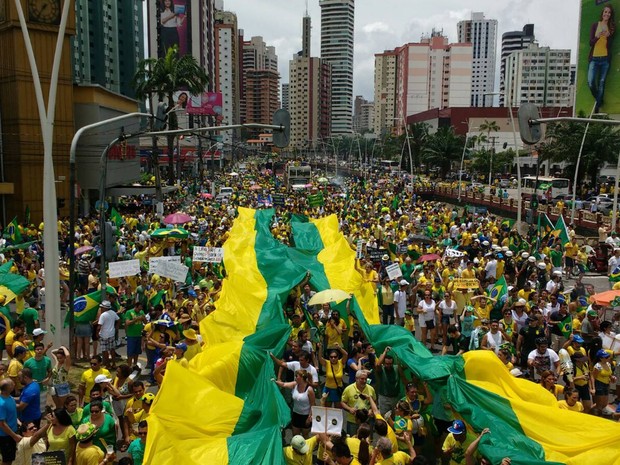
(337, 25)
(482, 34)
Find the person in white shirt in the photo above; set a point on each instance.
(108, 324)
(542, 358)
(426, 312)
(400, 303)
(491, 267)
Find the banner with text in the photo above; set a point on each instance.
(123, 268)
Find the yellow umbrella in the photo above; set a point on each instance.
(328, 296)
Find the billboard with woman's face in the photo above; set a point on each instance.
(174, 26)
(598, 68)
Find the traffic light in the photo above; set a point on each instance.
(110, 250)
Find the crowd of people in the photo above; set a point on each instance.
(465, 281)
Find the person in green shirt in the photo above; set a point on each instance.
(388, 382)
(556, 257)
(135, 319)
(30, 316)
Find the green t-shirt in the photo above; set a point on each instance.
(556, 258)
(135, 329)
(39, 369)
(29, 316)
(107, 407)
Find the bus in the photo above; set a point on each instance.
(388, 166)
(297, 175)
(547, 187)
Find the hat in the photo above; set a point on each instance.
(525, 254)
(484, 321)
(592, 313)
(542, 265)
(38, 332)
(102, 379)
(191, 293)
(403, 282)
(19, 350)
(458, 427)
(520, 303)
(582, 301)
(577, 338)
(469, 308)
(557, 273)
(602, 353)
(299, 444)
(190, 335)
(561, 299)
(408, 312)
(181, 345)
(85, 431)
(105, 304)
(531, 259)
(509, 253)
(148, 398)
(510, 288)
(516, 372)
(385, 257)
(485, 243)
(541, 341)
(474, 235)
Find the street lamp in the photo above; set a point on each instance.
(514, 134)
(463, 157)
(404, 120)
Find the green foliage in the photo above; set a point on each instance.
(442, 149)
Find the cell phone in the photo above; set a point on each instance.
(363, 396)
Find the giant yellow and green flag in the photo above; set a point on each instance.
(224, 409)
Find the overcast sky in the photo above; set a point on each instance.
(391, 23)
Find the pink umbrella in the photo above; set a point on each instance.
(177, 218)
(431, 257)
(206, 195)
(83, 249)
(255, 187)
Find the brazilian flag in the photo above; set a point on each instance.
(12, 232)
(85, 307)
(499, 290)
(566, 326)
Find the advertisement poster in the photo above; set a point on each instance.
(598, 65)
(207, 103)
(174, 26)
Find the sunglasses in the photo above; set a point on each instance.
(95, 411)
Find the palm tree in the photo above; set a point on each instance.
(442, 149)
(418, 135)
(163, 77)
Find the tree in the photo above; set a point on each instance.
(442, 149)
(563, 141)
(418, 136)
(502, 161)
(164, 76)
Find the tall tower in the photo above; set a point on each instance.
(337, 30)
(108, 44)
(482, 34)
(308, 94)
(511, 42)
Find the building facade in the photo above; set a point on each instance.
(430, 74)
(538, 75)
(363, 115)
(259, 61)
(108, 44)
(285, 96)
(308, 95)
(511, 42)
(227, 74)
(482, 34)
(337, 34)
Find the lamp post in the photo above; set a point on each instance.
(583, 141)
(404, 120)
(514, 134)
(463, 158)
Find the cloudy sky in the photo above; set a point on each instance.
(390, 23)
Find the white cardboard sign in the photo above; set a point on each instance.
(326, 420)
(123, 268)
(155, 261)
(393, 271)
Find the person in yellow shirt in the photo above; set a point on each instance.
(300, 451)
(341, 455)
(571, 400)
(383, 455)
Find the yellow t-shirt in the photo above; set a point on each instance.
(15, 366)
(333, 337)
(578, 407)
(331, 371)
(293, 458)
(458, 448)
(88, 379)
(399, 458)
(90, 455)
(391, 435)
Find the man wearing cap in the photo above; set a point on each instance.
(554, 285)
(108, 324)
(86, 452)
(587, 327)
(134, 320)
(400, 302)
(574, 344)
(41, 367)
(179, 354)
(456, 443)
(300, 451)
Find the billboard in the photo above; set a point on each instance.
(598, 66)
(174, 26)
(207, 103)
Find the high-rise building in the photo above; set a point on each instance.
(363, 115)
(482, 34)
(337, 31)
(308, 94)
(259, 62)
(192, 30)
(385, 91)
(227, 70)
(108, 44)
(538, 75)
(511, 42)
(430, 74)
